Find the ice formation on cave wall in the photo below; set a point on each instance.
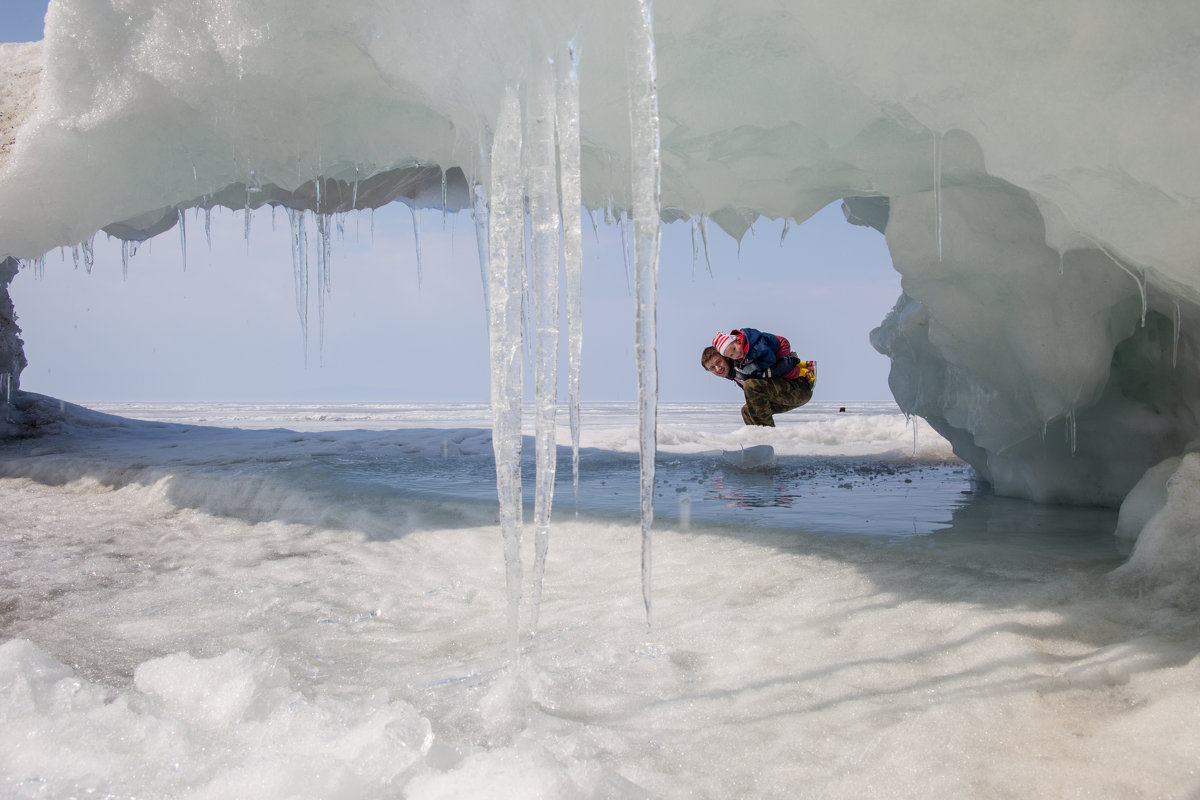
(1031, 166)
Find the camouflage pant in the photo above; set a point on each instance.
(766, 397)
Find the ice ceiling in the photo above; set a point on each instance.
(1032, 165)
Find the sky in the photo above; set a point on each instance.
(403, 326)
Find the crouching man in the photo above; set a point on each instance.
(773, 379)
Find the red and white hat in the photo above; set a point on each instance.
(723, 340)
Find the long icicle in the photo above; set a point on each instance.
(646, 184)
(571, 196)
(506, 280)
(541, 182)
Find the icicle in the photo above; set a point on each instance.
(324, 281)
(1178, 324)
(208, 228)
(416, 225)
(1071, 428)
(183, 239)
(541, 187)
(1140, 280)
(569, 160)
(300, 270)
(937, 188)
(354, 190)
(787, 226)
(506, 278)
(595, 224)
(246, 232)
(75, 255)
(695, 248)
(704, 241)
(480, 213)
(124, 259)
(623, 229)
(443, 199)
(915, 427)
(646, 185)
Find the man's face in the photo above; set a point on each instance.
(717, 365)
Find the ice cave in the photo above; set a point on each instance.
(1028, 164)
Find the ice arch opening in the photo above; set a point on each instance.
(1036, 162)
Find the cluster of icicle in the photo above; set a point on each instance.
(534, 157)
(535, 171)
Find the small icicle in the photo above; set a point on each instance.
(182, 239)
(787, 226)
(246, 232)
(300, 271)
(354, 190)
(75, 255)
(937, 188)
(1140, 280)
(208, 228)
(646, 179)
(592, 213)
(1178, 325)
(1070, 420)
(480, 213)
(416, 225)
(623, 229)
(124, 259)
(323, 281)
(443, 199)
(89, 254)
(704, 241)
(695, 248)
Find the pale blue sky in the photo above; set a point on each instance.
(227, 328)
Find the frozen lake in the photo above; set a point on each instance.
(280, 601)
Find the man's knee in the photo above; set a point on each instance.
(757, 417)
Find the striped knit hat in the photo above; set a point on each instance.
(723, 340)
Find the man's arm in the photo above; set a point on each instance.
(780, 369)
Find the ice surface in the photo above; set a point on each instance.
(314, 603)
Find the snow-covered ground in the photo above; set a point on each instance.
(309, 601)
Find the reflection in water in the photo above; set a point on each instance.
(886, 500)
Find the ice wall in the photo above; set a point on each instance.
(1038, 161)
